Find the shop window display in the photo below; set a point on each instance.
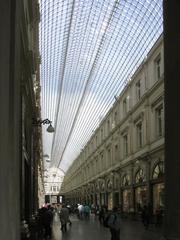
(141, 197)
(110, 201)
(126, 200)
(158, 188)
(126, 194)
(158, 196)
(102, 199)
(116, 199)
(140, 176)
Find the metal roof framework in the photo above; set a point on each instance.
(89, 50)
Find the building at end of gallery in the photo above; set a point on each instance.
(123, 162)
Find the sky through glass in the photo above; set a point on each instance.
(89, 51)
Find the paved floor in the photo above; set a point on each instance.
(92, 230)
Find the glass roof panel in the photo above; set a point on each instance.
(89, 50)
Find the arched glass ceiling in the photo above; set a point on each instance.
(89, 49)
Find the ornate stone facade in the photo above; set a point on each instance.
(122, 164)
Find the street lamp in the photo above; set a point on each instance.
(38, 122)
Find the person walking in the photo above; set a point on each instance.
(86, 211)
(102, 214)
(114, 224)
(64, 218)
(145, 215)
(47, 219)
(81, 211)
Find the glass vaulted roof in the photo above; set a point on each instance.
(89, 50)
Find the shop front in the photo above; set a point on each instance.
(158, 187)
(102, 193)
(102, 198)
(110, 200)
(109, 194)
(126, 194)
(141, 191)
(126, 200)
(116, 187)
(116, 199)
(158, 197)
(141, 197)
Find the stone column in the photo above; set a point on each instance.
(132, 206)
(10, 150)
(172, 119)
(149, 186)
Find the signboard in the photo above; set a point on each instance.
(53, 199)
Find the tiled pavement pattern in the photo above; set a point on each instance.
(92, 230)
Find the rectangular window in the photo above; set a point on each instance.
(96, 142)
(158, 67)
(93, 168)
(92, 147)
(88, 171)
(125, 145)
(108, 127)
(124, 106)
(109, 157)
(138, 90)
(139, 134)
(101, 134)
(116, 153)
(102, 162)
(96, 166)
(115, 118)
(159, 120)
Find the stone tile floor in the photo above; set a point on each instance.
(92, 230)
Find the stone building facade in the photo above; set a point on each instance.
(123, 162)
(53, 178)
(20, 140)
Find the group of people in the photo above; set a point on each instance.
(109, 219)
(148, 217)
(83, 211)
(45, 219)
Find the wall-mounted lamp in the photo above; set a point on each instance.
(50, 128)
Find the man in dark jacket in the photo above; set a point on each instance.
(114, 224)
(47, 219)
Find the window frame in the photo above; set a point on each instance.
(125, 106)
(138, 90)
(139, 134)
(159, 120)
(157, 66)
(125, 144)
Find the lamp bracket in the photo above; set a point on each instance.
(38, 122)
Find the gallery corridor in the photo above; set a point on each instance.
(89, 92)
(92, 230)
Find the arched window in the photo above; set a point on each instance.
(102, 186)
(97, 186)
(158, 170)
(109, 184)
(125, 180)
(139, 176)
